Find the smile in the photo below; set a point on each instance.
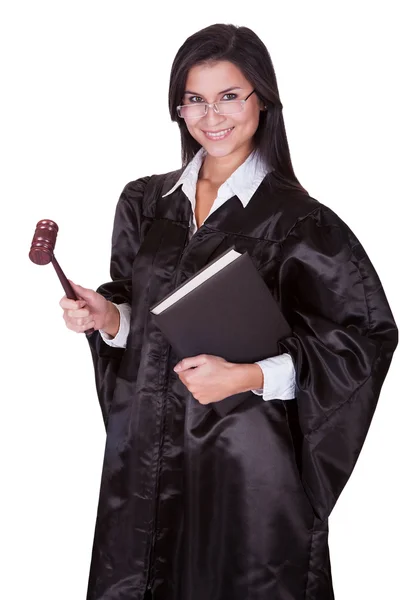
(218, 135)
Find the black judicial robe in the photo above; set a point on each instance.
(198, 507)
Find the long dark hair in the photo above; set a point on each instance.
(242, 47)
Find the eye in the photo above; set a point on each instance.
(196, 99)
(232, 96)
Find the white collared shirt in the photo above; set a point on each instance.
(278, 371)
(242, 183)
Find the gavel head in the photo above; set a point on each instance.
(43, 242)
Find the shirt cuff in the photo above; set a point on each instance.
(119, 341)
(279, 378)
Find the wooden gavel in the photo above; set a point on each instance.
(42, 252)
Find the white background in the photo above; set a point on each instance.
(84, 111)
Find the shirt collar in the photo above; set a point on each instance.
(242, 183)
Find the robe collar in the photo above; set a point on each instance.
(243, 182)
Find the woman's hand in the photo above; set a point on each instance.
(90, 310)
(212, 378)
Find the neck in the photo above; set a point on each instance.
(217, 169)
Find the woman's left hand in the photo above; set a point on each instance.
(212, 378)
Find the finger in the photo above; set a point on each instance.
(80, 328)
(89, 325)
(190, 362)
(78, 314)
(68, 303)
(188, 377)
(85, 321)
(186, 383)
(77, 320)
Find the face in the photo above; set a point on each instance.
(221, 82)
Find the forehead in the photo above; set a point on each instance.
(211, 78)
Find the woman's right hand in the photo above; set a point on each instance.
(91, 310)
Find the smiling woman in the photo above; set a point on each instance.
(226, 131)
(194, 506)
(235, 117)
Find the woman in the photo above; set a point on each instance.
(194, 506)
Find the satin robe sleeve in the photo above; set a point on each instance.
(342, 343)
(125, 242)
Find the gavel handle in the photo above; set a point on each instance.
(69, 292)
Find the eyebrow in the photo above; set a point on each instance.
(223, 91)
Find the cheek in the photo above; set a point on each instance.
(190, 127)
(193, 130)
(249, 123)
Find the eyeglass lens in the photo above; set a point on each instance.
(223, 108)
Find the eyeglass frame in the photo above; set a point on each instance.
(213, 105)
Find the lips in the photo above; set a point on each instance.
(218, 135)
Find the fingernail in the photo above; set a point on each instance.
(177, 368)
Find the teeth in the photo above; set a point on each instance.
(219, 134)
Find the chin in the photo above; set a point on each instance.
(213, 149)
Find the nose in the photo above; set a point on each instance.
(212, 118)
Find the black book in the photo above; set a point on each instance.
(224, 310)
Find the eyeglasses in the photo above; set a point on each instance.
(200, 109)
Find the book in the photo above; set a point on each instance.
(224, 310)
